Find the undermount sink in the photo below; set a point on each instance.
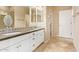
(14, 33)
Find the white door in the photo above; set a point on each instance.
(65, 23)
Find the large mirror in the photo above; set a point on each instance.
(33, 14)
(39, 15)
(22, 16)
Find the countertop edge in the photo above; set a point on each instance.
(23, 33)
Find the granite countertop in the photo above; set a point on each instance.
(21, 31)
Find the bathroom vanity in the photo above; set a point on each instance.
(22, 41)
(20, 32)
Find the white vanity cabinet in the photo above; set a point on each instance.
(23, 43)
(26, 46)
(38, 38)
(23, 46)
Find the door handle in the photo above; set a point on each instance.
(33, 44)
(33, 33)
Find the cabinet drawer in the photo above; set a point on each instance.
(4, 50)
(38, 38)
(4, 44)
(37, 42)
(12, 41)
(14, 48)
(19, 38)
(38, 32)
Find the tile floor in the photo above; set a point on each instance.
(56, 45)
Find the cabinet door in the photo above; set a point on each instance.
(14, 48)
(22, 46)
(18, 39)
(25, 46)
(4, 50)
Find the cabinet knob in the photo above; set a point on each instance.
(33, 44)
(33, 33)
(19, 46)
(33, 38)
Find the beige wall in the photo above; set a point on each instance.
(64, 7)
(19, 16)
(55, 21)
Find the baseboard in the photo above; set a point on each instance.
(63, 38)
